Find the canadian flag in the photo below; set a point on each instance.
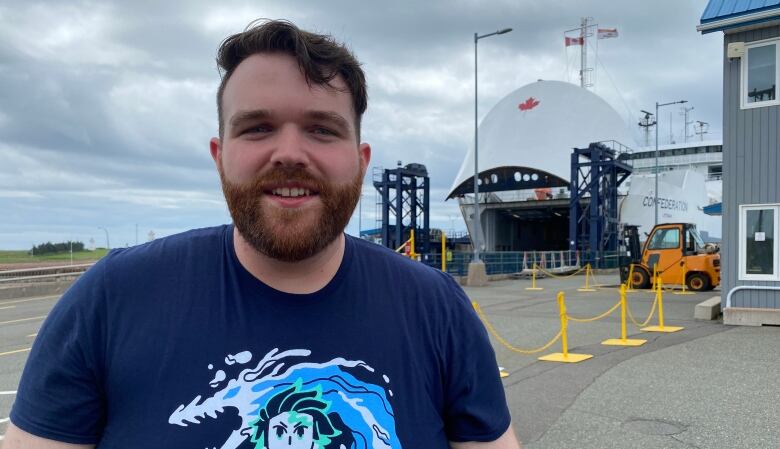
(574, 41)
(606, 33)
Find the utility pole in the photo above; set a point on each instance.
(686, 112)
(646, 122)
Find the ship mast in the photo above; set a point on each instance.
(584, 69)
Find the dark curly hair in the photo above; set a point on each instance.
(320, 57)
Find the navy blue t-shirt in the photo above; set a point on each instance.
(173, 344)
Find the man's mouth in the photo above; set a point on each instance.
(292, 192)
(291, 195)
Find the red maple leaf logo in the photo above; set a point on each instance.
(529, 104)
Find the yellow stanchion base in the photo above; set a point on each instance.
(534, 288)
(586, 290)
(570, 358)
(503, 374)
(684, 293)
(667, 329)
(621, 342)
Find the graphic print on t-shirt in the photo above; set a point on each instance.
(286, 401)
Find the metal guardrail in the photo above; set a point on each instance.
(42, 273)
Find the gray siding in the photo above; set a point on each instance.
(751, 162)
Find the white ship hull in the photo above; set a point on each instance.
(682, 196)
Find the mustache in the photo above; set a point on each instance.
(285, 175)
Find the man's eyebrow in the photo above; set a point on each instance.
(281, 424)
(331, 117)
(245, 116)
(300, 424)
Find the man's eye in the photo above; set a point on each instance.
(259, 129)
(323, 131)
(279, 431)
(299, 431)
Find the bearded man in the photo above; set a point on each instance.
(190, 340)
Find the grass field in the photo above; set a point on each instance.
(7, 257)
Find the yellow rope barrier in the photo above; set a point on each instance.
(506, 344)
(596, 283)
(596, 318)
(650, 317)
(557, 275)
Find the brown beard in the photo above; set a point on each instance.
(287, 234)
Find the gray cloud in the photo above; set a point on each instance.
(106, 108)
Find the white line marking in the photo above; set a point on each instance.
(24, 319)
(7, 307)
(4, 420)
(39, 298)
(7, 392)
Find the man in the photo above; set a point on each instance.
(278, 331)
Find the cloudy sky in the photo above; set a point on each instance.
(107, 107)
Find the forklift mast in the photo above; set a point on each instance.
(631, 243)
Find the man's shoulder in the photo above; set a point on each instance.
(382, 262)
(380, 256)
(177, 251)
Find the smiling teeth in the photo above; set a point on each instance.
(288, 192)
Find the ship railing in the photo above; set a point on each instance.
(522, 262)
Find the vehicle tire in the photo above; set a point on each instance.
(640, 278)
(698, 282)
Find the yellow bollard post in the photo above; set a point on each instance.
(413, 253)
(443, 252)
(623, 340)
(659, 292)
(533, 279)
(587, 275)
(684, 284)
(629, 282)
(564, 356)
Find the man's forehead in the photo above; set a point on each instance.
(263, 74)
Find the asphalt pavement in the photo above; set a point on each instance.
(706, 386)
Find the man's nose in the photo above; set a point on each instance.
(290, 148)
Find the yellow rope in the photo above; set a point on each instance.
(652, 312)
(596, 283)
(588, 320)
(537, 267)
(492, 330)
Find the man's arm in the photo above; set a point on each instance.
(16, 438)
(506, 441)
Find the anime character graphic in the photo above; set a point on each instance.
(286, 400)
(298, 418)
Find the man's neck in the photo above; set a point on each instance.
(306, 276)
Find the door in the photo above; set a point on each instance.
(664, 251)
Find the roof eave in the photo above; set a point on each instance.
(742, 20)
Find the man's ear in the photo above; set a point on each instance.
(364, 150)
(215, 146)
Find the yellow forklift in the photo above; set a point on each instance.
(676, 252)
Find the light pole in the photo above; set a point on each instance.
(477, 225)
(655, 200)
(108, 245)
(360, 213)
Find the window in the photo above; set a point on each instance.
(665, 239)
(760, 74)
(714, 172)
(758, 245)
